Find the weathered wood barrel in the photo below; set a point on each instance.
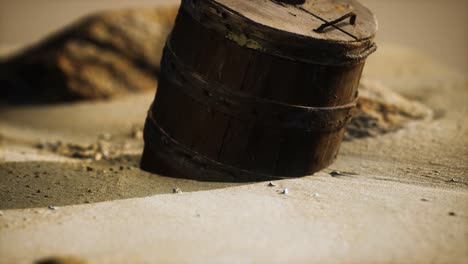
(256, 89)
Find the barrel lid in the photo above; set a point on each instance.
(321, 31)
(304, 17)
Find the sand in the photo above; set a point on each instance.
(401, 197)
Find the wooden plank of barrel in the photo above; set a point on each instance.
(256, 89)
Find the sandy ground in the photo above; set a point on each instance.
(401, 197)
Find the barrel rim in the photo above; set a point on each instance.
(263, 38)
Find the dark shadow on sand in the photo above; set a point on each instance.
(40, 183)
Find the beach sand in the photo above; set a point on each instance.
(401, 197)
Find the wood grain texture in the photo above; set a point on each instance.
(292, 19)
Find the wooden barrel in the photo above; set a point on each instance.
(256, 89)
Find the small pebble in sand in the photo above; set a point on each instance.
(270, 184)
(452, 214)
(41, 145)
(38, 191)
(105, 153)
(176, 190)
(137, 133)
(335, 173)
(105, 136)
(315, 195)
(51, 207)
(424, 200)
(88, 168)
(98, 156)
(121, 168)
(285, 191)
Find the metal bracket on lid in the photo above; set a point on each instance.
(352, 20)
(298, 4)
(332, 23)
